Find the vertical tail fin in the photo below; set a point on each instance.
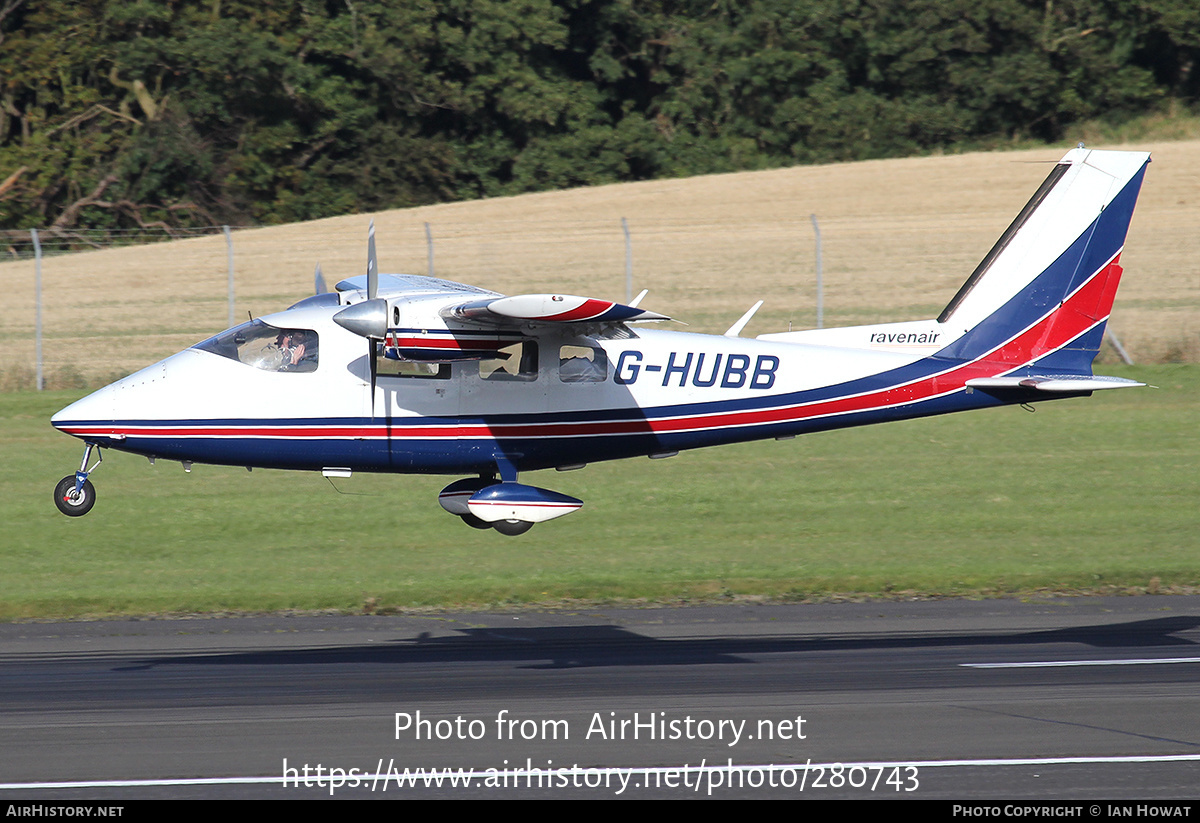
(1042, 295)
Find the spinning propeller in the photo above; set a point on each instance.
(368, 318)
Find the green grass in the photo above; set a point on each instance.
(1089, 494)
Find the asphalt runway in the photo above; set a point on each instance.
(1068, 699)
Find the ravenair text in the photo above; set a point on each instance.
(700, 369)
(895, 338)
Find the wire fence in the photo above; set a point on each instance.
(104, 303)
(19, 244)
(86, 313)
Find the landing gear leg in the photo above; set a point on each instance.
(508, 475)
(75, 495)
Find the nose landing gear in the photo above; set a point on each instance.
(75, 495)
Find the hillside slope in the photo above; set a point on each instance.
(899, 237)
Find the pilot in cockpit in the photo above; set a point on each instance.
(299, 352)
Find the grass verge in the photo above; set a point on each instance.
(1084, 495)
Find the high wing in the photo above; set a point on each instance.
(428, 320)
(403, 285)
(496, 309)
(434, 320)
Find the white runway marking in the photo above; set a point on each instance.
(633, 771)
(1143, 661)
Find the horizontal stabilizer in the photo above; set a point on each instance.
(548, 308)
(1054, 383)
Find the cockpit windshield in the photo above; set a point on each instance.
(266, 347)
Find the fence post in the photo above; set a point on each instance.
(429, 247)
(229, 255)
(1116, 344)
(628, 261)
(820, 285)
(37, 299)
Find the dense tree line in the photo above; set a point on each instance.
(188, 112)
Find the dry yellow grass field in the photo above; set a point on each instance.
(899, 237)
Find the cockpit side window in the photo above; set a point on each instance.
(267, 347)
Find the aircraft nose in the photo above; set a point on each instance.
(85, 415)
(94, 417)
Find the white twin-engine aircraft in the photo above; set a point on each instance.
(411, 374)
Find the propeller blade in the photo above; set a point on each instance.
(372, 264)
(319, 281)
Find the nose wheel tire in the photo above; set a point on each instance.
(71, 502)
(512, 527)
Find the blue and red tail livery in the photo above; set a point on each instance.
(411, 374)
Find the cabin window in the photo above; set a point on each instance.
(386, 367)
(266, 347)
(516, 362)
(582, 364)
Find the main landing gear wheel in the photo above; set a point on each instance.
(474, 522)
(512, 527)
(74, 503)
